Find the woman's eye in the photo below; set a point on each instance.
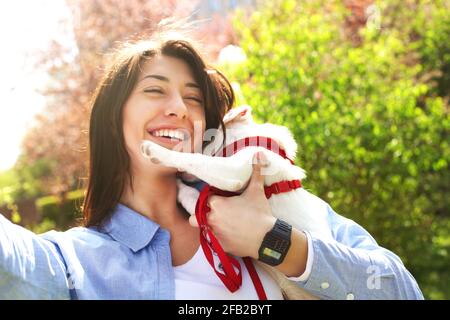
(195, 99)
(153, 90)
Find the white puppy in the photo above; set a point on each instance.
(303, 210)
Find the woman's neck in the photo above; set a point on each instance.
(155, 196)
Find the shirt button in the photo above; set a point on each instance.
(325, 285)
(350, 296)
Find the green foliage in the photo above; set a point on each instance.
(44, 226)
(434, 48)
(8, 188)
(26, 181)
(371, 129)
(23, 181)
(59, 213)
(31, 177)
(426, 25)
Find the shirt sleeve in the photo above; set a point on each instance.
(353, 266)
(30, 266)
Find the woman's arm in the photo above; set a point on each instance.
(354, 266)
(30, 267)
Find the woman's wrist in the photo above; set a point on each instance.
(294, 263)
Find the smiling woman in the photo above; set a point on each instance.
(153, 88)
(158, 89)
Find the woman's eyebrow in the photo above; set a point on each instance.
(192, 85)
(156, 76)
(163, 78)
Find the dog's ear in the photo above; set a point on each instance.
(242, 113)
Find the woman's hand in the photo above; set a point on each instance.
(241, 222)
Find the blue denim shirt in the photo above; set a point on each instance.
(130, 259)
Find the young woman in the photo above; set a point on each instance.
(138, 243)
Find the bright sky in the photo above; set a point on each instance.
(25, 26)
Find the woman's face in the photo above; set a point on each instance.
(166, 107)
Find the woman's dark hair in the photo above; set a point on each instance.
(109, 162)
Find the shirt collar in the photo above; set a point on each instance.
(130, 228)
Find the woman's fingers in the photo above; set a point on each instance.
(256, 183)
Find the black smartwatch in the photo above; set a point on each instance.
(276, 244)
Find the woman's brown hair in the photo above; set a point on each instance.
(109, 162)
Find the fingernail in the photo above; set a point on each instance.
(257, 157)
(261, 159)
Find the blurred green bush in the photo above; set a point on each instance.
(59, 213)
(370, 116)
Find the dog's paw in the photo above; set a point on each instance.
(155, 160)
(146, 149)
(148, 152)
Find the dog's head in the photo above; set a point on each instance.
(239, 123)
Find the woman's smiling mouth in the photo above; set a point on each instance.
(169, 137)
(169, 133)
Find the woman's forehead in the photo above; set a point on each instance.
(171, 68)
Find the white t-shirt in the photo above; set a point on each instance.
(196, 280)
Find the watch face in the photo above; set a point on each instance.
(271, 253)
(275, 244)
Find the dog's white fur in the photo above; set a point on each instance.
(300, 208)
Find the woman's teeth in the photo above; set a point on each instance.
(168, 133)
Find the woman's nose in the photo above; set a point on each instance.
(177, 108)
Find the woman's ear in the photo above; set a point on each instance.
(242, 113)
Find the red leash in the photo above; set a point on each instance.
(255, 278)
(231, 275)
